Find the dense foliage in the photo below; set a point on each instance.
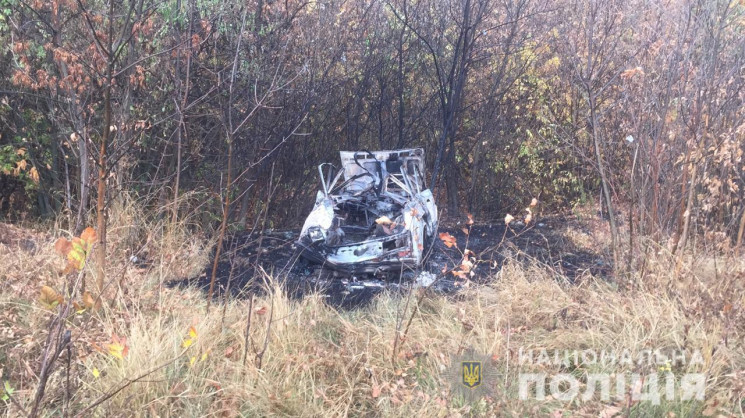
(635, 102)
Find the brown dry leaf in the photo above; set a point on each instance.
(533, 202)
(470, 219)
(376, 390)
(62, 246)
(464, 230)
(49, 297)
(260, 311)
(69, 268)
(88, 300)
(229, 351)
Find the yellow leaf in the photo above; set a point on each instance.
(118, 347)
(187, 343)
(117, 350)
(77, 253)
(192, 332)
(204, 356)
(192, 361)
(34, 174)
(95, 372)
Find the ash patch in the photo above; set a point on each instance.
(250, 258)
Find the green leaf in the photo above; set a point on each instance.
(8, 391)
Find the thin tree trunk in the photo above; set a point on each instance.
(687, 214)
(604, 181)
(740, 231)
(102, 169)
(231, 135)
(224, 224)
(631, 212)
(181, 125)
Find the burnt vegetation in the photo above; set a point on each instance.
(159, 164)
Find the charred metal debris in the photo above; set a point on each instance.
(373, 216)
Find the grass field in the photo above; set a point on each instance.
(155, 350)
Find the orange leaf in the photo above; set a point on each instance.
(458, 273)
(89, 236)
(448, 239)
(260, 311)
(78, 307)
(470, 219)
(88, 300)
(62, 246)
(465, 230)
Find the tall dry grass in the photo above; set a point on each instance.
(320, 361)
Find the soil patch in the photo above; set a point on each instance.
(250, 260)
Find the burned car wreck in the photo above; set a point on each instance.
(372, 216)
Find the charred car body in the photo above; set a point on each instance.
(371, 216)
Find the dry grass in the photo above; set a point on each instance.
(324, 362)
